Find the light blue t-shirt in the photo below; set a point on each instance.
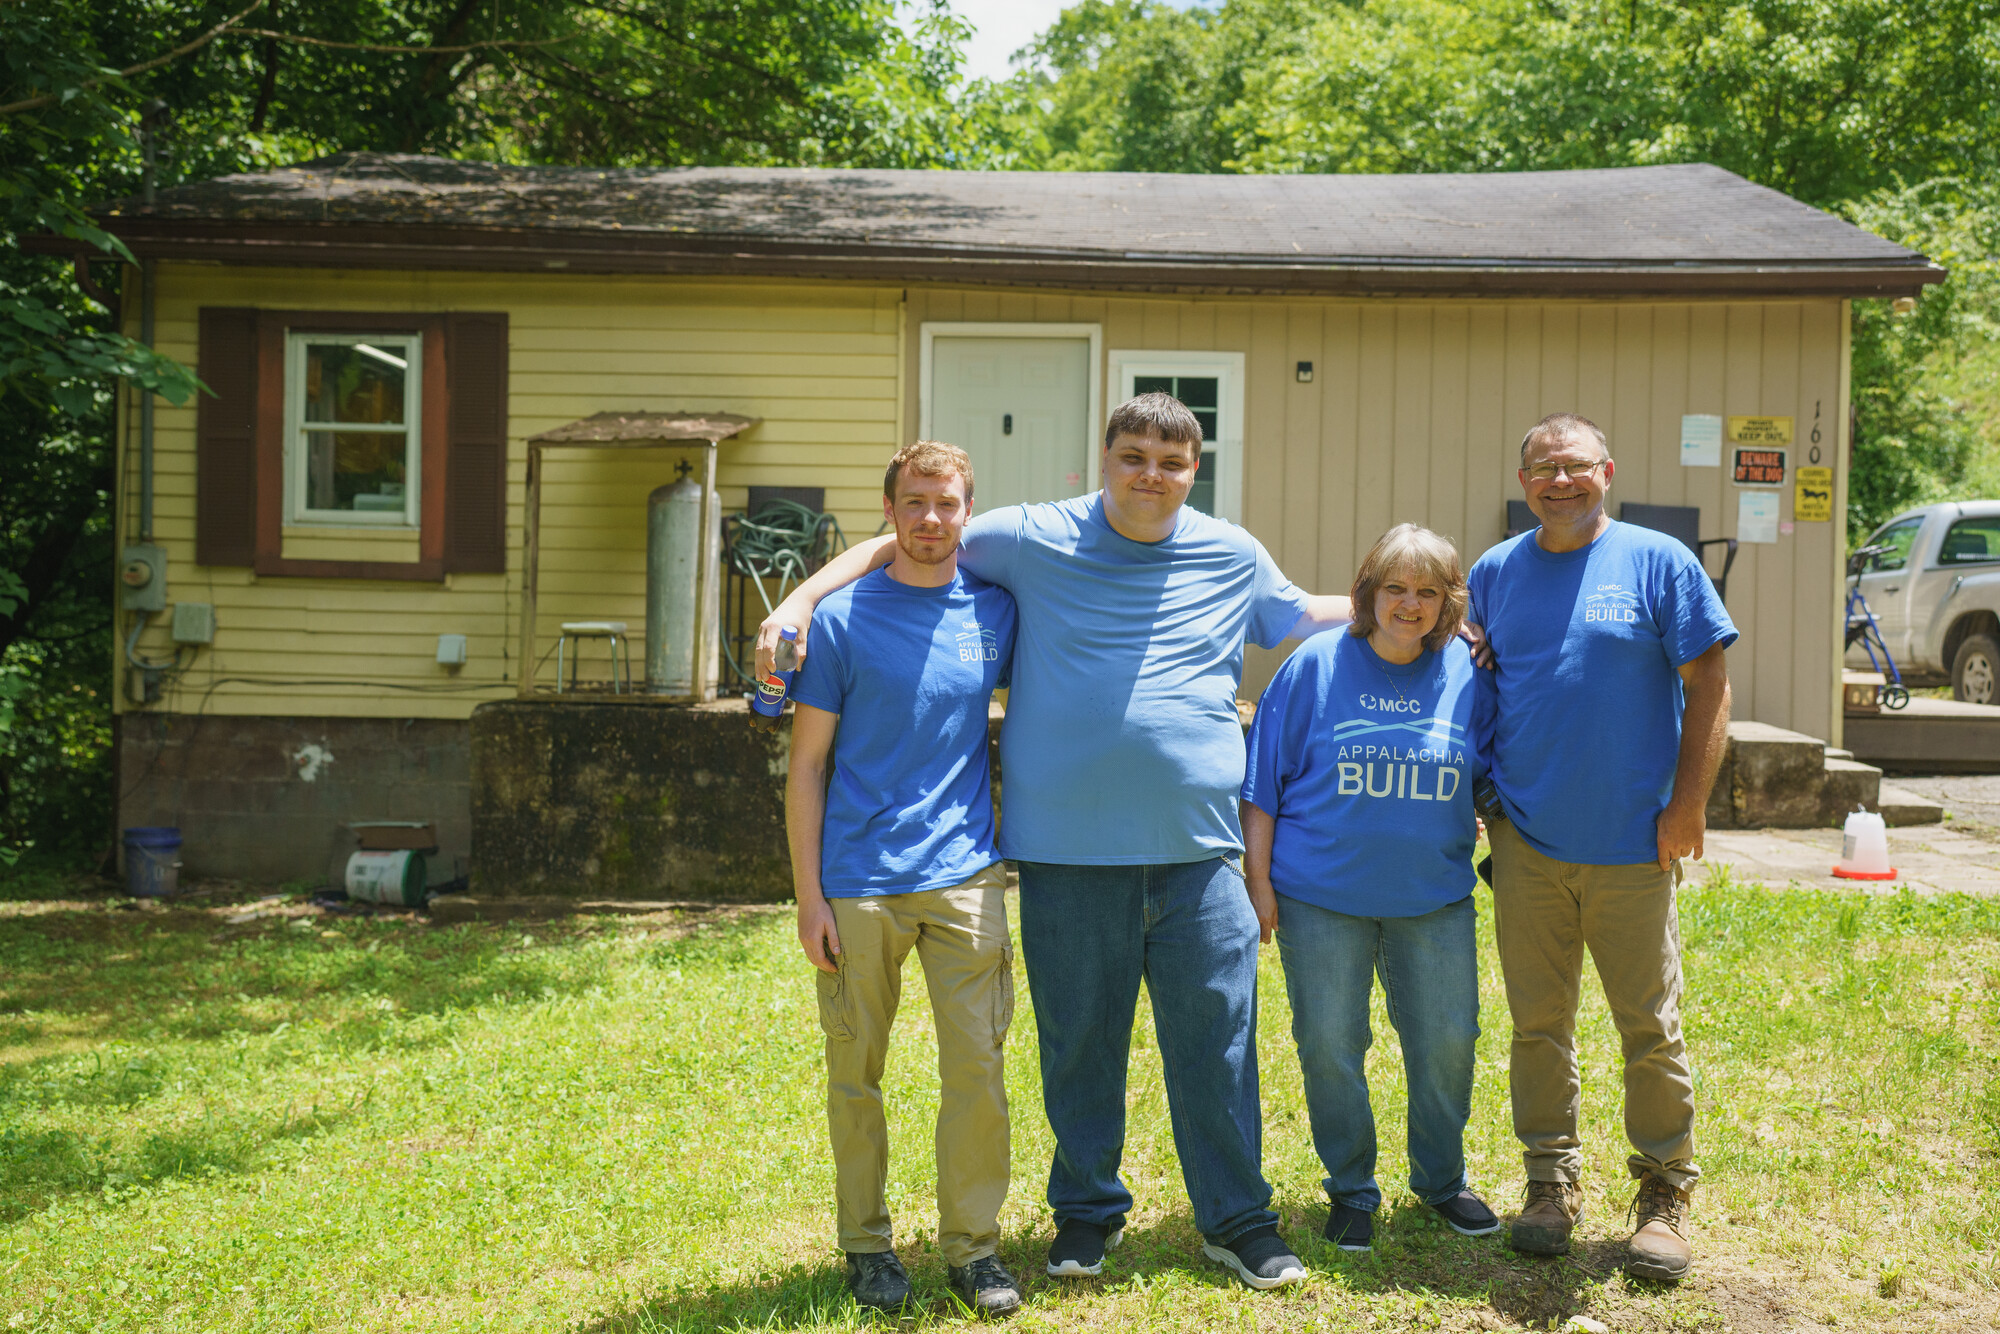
(910, 671)
(1589, 646)
(1122, 745)
(1367, 768)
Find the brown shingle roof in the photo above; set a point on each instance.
(1692, 228)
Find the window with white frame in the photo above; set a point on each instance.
(353, 443)
(1211, 385)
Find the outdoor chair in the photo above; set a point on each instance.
(783, 535)
(1684, 522)
(1520, 518)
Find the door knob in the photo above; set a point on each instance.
(1006, 423)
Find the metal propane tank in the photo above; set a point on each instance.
(673, 519)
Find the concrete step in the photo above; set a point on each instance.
(1774, 779)
(1845, 785)
(1900, 807)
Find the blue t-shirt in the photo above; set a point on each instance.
(1122, 745)
(910, 671)
(1367, 768)
(1589, 646)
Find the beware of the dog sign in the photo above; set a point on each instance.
(1760, 467)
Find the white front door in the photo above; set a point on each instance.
(1020, 407)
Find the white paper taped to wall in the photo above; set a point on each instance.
(1701, 441)
(1756, 516)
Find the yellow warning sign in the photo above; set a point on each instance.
(1761, 430)
(1812, 497)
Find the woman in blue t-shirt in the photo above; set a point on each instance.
(1359, 829)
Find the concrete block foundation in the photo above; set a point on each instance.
(269, 799)
(638, 800)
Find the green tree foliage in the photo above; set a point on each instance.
(250, 84)
(1870, 108)
(1920, 378)
(1824, 99)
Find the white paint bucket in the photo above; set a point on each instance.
(395, 878)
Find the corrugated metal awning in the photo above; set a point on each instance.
(609, 430)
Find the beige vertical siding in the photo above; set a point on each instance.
(1416, 409)
(816, 361)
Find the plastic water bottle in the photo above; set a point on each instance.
(768, 704)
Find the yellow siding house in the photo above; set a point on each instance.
(383, 335)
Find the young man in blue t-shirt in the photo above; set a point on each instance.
(1122, 757)
(890, 817)
(1613, 709)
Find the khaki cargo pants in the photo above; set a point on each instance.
(1546, 913)
(960, 934)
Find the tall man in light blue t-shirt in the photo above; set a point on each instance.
(1121, 759)
(1612, 713)
(890, 815)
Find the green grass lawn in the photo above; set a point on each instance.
(295, 1123)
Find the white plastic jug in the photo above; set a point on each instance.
(1864, 850)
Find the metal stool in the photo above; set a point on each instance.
(581, 630)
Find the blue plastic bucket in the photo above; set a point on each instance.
(152, 861)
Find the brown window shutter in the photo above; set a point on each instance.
(225, 498)
(475, 526)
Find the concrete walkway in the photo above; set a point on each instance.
(1961, 855)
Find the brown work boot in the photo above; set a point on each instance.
(1660, 1245)
(1548, 1216)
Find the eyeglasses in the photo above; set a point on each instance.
(1548, 472)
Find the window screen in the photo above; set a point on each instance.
(1202, 394)
(354, 440)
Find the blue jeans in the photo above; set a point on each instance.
(1430, 978)
(1089, 934)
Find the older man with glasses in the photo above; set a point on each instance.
(1612, 713)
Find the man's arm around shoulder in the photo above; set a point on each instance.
(805, 821)
(1704, 735)
(797, 608)
(1324, 611)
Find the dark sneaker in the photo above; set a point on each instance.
(1548, 1216)
(986, 1286)
(1659, 1248)
(877, 1279)
(1467, 1215)
(1259, 1258)
(1079, 1247)
(1349, 1228)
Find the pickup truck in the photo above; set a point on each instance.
(1932, 578)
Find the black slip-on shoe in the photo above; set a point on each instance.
(985, 1286)
(1260, 1258)
(1079, 1247)
(1468, 1215)
(1349, 1228)
(877, 1279)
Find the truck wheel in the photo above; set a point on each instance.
(1975, 670)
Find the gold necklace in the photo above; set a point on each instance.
(1382, 665)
